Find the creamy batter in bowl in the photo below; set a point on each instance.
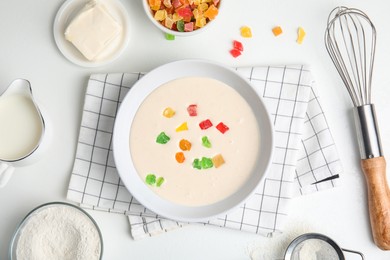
(221, 95)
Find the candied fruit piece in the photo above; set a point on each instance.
(211, 12)
(169, 37)
(150, 179)
(160, 181)
(205, 124)
(238, 45)
(192, 110)
(155, 4)
(277, 30)
(206, 163)
(184, 12)
(162, 138)
(246, 32)
(169, 22)
(301, 35)
(180, 25)
(200, 22)
(167, 3)
(176, 3)
(168, 112)
(189, 27)
(203, 7)
(206, 142)
(185, 145)
(222, 127)
(180, 158)
(160, 15)
(182, 127)
(218, 160)
(196, 164)
(235, 53)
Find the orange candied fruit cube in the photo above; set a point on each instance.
(185, 145)
(155, 4)
(277, 30)
(218, 160)
(211, 12)
(180, 158)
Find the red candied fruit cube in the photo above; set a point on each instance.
(235, 53)
(184, 12)
(238, 46)
(205, 124)
(192, 110)
(222, 127)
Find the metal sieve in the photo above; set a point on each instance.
(316, 246)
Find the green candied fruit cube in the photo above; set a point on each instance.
(206, 142)
(162, 138)
(169, 37)
(180, 25)
(150, 179)
(196, 164)
(160, 181)
(206, 163)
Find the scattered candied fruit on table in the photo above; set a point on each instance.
(222, 127)
(218, 160)
(184, 15)
(235, 53)
(196, 164)
(185, 145)
(162, 138)
(301, 35)
(180, 158)
(246, 32)
(206, 163)
(169, 112)
(205, 124)
(277, 30)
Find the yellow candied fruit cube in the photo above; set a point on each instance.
(167, 3)
(205, 1)
(169, 22)
(176, 17)
(218, 160)
(203, 7)
(211, 12)
(182, 127)
(196, 2)
(155, 4)
(169, 112)
(160, 15)
(301, 35)
(197, 14)
(200, 22)
(246, 32)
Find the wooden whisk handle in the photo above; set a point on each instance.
(378, 200)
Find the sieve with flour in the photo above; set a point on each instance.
(316, 246)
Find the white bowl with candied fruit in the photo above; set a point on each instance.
(182, 17)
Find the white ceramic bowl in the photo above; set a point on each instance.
(164, 29)
(128, 109)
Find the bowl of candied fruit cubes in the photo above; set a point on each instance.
(182, 17)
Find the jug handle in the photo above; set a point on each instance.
(6, 172)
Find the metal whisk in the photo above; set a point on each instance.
(350, 39)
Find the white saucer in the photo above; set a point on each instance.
(68, 11)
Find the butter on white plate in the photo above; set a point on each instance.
(92, 30)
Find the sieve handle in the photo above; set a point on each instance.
(378, 200)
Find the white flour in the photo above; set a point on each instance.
(59, 232)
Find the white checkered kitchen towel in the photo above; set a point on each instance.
(305, 159)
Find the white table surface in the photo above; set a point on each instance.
(28, 50)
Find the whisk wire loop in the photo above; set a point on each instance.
(350, 39)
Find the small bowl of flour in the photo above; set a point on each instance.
(57, 230)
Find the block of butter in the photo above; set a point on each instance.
(92, 30)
